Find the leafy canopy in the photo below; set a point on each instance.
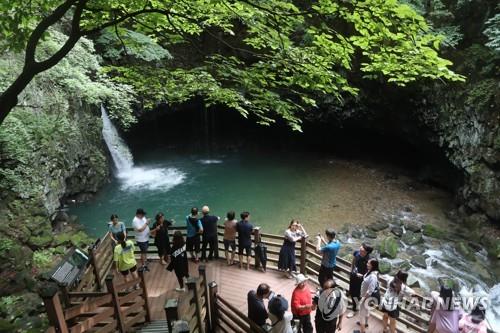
(269, 58)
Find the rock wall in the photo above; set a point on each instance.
(466, 123)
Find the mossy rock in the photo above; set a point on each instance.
(389, 248)
(62, 239)
(412, 238)
(465, 251)
(378, 226)
(357, 234)
(397, 231)
(81, 239)
(434, 232)
(384, 266)
(413, 226)
(42, 241)
(369, 233)
(419, 261)
(404, 265)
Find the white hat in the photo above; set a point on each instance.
(300, 278)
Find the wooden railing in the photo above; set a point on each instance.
(308, 262)
(192, 306)
(224, 317)
(117, 309)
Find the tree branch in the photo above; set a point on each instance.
(70, 42)
(42, 27)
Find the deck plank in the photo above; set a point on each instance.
(233, 284)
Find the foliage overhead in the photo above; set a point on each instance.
(270, 58)
(120, 43)
(492, 31)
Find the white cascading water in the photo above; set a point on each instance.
(130, 176)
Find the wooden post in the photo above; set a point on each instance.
(303, 254)
(63, 287)
(54, 309)
(256, 240)
(192, 284)
(214, 312)
(145, 296)
(120, 320)
(171, 312)
(93, 262)
(203, 275)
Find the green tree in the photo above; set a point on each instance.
(288, 49)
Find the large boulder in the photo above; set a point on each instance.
(384, 266)
(389, 247)
(412, 238)
(431, 230)
(378, 226)
(419, 261)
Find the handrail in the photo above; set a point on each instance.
(308, 260)
(107, 311)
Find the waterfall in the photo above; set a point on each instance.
(134, 177)
(120, 153)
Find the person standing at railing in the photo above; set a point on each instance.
(230, 237)
(286, 260)
(179, 261)
(370, 292)
(393, 296)
(114, 227)
(160, 232)
(244, 229)
(302, 304)
(358, 269)
(209, 224)
(194, 230)
(328, 249)
(141, 228)
(124, 258)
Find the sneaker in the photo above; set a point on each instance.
(351, 314)
(146, 269)
(180, 289)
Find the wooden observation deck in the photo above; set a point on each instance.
(215, 300)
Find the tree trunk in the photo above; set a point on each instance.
(9, 98)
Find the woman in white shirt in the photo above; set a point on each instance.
(369, 292)
(392, 298)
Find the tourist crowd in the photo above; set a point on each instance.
(329, 301)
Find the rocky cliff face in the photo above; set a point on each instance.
(466, 123)
(73, 162)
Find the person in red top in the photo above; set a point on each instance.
(302, 304)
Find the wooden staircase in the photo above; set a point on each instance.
(156, 326)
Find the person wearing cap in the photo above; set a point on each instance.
(331, 305)
(209, 224)
(141, 228)
(302, 304)
(281, 319)
(329, 251)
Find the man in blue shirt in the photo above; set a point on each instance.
(329, 251)
(244, 229)
(194, 230)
